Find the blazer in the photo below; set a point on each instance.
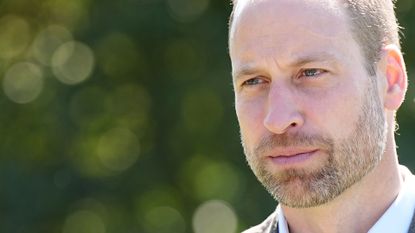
(270, 225)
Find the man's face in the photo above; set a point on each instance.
(311, 119)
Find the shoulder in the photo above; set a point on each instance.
(266, 226)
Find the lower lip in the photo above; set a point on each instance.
(293, 159)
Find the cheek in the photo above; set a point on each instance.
(336, 112)
(250, 117)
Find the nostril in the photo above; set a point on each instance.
(293, 124)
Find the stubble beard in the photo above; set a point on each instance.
(348, 161)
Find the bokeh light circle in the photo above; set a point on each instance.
(118, 149)
(47, 41)
(164, 219)
(215, 216)
(215, 180)
(84, 221)
(15, 36)
(23, 82)
(73, 62)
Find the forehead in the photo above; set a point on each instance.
(286, 27)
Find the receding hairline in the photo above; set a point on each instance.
(372, 24)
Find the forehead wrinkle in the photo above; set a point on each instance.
(246, 70)
(313, 57)
(295, 60)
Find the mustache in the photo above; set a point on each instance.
(273, 141)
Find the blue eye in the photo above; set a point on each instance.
(253, 81)
(311, 72)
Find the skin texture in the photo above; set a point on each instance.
(316, 128)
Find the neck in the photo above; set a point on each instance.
(359, 207)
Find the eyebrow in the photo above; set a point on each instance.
(252, 68)
(246, 70)
(315, 57)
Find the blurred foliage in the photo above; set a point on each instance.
(117, 116)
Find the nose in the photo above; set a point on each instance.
(282, 112)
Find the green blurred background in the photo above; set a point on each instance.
(117, 116)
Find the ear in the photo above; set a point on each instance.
(396, 77)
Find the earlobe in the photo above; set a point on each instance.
(396, 77)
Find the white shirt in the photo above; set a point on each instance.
(397, 217)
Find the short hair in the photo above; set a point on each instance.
(373, 25)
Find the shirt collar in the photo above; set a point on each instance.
(282, 223)
(397, 217)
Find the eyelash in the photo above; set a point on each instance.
(253, 81)
(317, 70)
